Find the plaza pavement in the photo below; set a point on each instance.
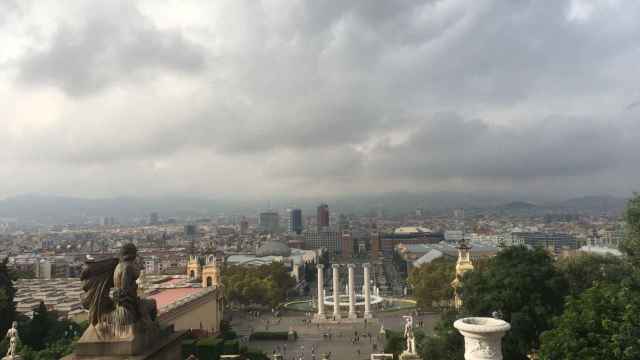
(311, 336)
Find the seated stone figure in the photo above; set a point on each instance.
(129, 308)
(124, 318)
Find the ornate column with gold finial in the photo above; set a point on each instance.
(463, 265)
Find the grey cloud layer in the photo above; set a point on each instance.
(107, 49)
(307, 91)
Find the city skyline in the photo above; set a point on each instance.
(311, 99)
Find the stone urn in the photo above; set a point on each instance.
(482, 337)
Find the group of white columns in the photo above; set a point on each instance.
(336, 291)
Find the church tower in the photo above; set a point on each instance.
(211, 272)
(194, 268)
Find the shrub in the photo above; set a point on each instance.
(270, 335)
(256, 355)
(209, 348)
(231, 347)
(189, 347)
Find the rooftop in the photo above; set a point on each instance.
(405, 230)
(166, 297)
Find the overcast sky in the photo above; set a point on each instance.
(318, 97)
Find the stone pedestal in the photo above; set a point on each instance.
(409, 356)
(352, 293)
(166, 347)
(336, 291)
(320, 314)
(12, 357)
(482, 337)
(292, 335)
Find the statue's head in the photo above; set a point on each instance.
(128, 252)
(14, 324)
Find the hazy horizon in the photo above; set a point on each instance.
(319, 99)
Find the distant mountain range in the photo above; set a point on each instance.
(49, 209)
(593, 205)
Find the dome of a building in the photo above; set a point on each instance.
(273, 248)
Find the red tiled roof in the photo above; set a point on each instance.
(166, 297)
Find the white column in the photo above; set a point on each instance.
(367, 295)
(352, 293)
(320, 291)
(336, 290)
(482, 337)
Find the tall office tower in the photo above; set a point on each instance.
(269, 221)
(343, 222)
(375, 243)
(295, 221)
(153, 218)
(346, 244)
(244, 226)
(190, 234)
(322, 217)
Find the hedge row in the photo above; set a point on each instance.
(209, 348)
(271, 335)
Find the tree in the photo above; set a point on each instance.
(601, 319)
(631, 244)
(45, 337)
(526, 287)
(7, 294)
(601, 323)
(393, 343)
(33, 333)
(445, 343)
(266, 285)
(586, 270)
(431, 283)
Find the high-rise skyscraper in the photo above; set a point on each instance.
(322, 218)
(269, 221)
(154, 218)
(244, 226)
(295, 221)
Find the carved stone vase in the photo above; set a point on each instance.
(482, 337)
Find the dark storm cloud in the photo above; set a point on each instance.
(449, 147)
(109, 48)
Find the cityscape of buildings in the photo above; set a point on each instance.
(292, 237)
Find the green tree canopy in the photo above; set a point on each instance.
(523, 285)
(431, 283)
(266, 285)
(445, 343)
(631, 245)
(7, 294)
(601, 323)
(586, 270)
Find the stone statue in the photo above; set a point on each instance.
(408, 334)
(125, 313)
(12, 334)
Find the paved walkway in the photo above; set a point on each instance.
(339, 339)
